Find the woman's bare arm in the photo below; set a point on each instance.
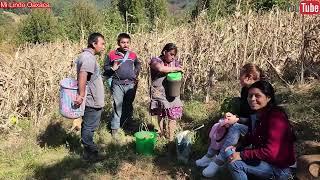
(164, 69)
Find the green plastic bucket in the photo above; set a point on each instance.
(174, 76)
(145, 142)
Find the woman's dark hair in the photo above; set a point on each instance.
(93, 38)
(267, 89)
(168, 47)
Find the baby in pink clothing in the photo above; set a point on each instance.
(218, 132)
(217, 135)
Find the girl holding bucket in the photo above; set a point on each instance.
(162, 103)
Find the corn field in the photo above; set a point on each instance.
(282, 43)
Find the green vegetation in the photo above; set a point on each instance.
(81, 19)
(219, 8)
(39, 27)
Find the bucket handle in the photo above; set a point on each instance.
(196, 129)
(143, 125)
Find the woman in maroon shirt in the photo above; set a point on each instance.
(272, 139)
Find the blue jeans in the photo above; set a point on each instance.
(232, 137)
(123, 97)
(260, 169)
(90, 122)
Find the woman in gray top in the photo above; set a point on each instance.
(161, 104)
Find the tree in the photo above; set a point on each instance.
(113, 22)
(40, 26)
(156, 10)
(59, 6)
(134, 14)
(269, 4)
(137, 12)
(82, 19)
(7, 22)
(219, 8)
(215, 8)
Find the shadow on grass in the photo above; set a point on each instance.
(167, 162)
(73, 167)
(304, 131)
(303, 110)
(56, 135)
(130, 125)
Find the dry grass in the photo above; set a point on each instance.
(29, 79)
(216, 51)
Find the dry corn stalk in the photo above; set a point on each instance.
(29, 80)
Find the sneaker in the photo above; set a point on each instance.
(204, 161)
(211, 170)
